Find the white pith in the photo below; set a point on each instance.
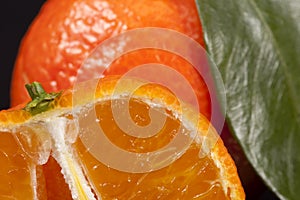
(63, 154)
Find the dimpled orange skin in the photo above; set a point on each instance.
(65, 33)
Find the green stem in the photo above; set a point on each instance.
(41, 101)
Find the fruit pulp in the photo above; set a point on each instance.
(189, 177)
(17, 170)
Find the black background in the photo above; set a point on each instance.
(15, 18)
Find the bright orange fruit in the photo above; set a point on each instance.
(69, 131)
(65, 33)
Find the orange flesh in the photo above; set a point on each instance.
(189, 177)
(15, 170)
(52, 180)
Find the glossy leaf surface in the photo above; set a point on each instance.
(256, 45)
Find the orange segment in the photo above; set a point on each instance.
(16, 172)
(50, 170)
(190, 177)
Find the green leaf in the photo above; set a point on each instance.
(256, 45)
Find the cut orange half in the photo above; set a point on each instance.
(117, 140)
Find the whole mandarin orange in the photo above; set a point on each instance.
(66, 32)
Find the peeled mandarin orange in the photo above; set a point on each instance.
(125, 163)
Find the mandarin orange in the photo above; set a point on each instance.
(68, 128)
(65, 33)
